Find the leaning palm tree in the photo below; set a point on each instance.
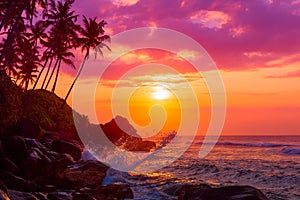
(62, 23)
(92, 37)
(63, 56)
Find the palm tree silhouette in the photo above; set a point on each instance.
(63, 36)
(29, 64)
(92, 37)
(63, 56)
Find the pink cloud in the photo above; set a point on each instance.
(226, 29)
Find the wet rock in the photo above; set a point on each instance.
(7, 165)
(67, 147)
(33, 165)
(14, 182)
(15, 149)
(82, 174)
(119, 191)
(80, 196)
(63, 162)
(59, 196)
(40, 195)
(17, 195)
(222, 193)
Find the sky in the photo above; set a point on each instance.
(254, 43)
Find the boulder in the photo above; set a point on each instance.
(7, 165)
(34, 165)
(17, 195)
(119, 191)
(221, 193)
(59, 196)
(15, 148)
(80, 196)
(82, 174)
(63, 162)
(67, 147)
(14, 182)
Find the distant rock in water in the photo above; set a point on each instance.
(126, 137)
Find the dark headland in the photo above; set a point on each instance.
(40, 154)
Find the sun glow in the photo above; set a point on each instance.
(160, 93)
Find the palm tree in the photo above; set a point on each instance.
(13, 18)
(63, 33)
(28, 64)
(63, 56)
(92, 37)
(37, 32)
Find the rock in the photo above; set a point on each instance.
(66, 147)
(59, 196)
(34, 143)
(17, 195)
(80, 196)
(7, 165)
(33, 165)
(3, 195)
(63, 162)
(40, 196)
(14, 182)
(119, 191)
(15, 149)
(82, 174)
(221, 193)
(120, 132)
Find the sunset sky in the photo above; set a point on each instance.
(254, 43)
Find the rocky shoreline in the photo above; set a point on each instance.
(49, 169)
(52, 169)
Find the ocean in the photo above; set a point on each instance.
(269, 163)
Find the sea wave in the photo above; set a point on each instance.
(266, 145)
(290, 151)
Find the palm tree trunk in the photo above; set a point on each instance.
(8, 11)
(77, 76)
(26, 85)
(53, 70)
(47, 73)
(39, 76)
(56, 77)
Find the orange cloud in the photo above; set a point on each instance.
(121, 3)
(210, 19)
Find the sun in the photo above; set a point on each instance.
(160, 93)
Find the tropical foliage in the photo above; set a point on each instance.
(39, 37)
